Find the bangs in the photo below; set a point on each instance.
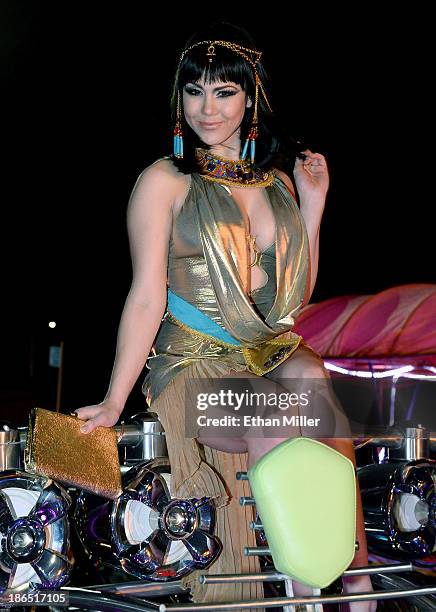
(226, 66)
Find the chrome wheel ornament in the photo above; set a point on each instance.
(34, 533)
(399, 504)
(145, 531)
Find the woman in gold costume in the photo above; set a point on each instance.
(223, 260)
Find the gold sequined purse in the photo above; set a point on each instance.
(56, 448)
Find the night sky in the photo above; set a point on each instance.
(86, 109)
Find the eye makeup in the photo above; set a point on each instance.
(195, 92)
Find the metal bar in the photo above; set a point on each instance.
(396, 442)
(252, 551)
(247, 501)
(277, 576)
(137, 588)
(132, 434)
(254, 525)
(241, 476)
(230, 578)
(287, 601)
(388, 441)
(376, 569)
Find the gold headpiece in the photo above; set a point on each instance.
(252, 56)
(229, 45)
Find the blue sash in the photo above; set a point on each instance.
(194, 318)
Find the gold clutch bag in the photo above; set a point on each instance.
(55, 447)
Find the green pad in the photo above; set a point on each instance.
(305, 495)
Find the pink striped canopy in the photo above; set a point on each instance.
(395, 325)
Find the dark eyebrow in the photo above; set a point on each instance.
(215, 88)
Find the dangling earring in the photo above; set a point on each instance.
(252, 136)
(178, 134)
(254, 132)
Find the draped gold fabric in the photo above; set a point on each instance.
(209, 266)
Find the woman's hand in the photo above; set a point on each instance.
(358, 584)
(311, 176)
(104, 414)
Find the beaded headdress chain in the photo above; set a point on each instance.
(250, 55)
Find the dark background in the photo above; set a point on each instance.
(86, 90)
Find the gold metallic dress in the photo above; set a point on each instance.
(209, 267)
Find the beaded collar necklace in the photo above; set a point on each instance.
(213, 167)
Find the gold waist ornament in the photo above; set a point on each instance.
(260, 359)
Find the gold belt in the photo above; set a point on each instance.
(260, 359)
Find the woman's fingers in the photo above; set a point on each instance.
(314, 162)
(315, 168)
(309, 155)
(89, 426)
(104, 415)
(92, 423)
(86, 412)
(92, 415)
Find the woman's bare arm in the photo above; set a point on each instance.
(149, 222)
(311, 208)
(312, 217)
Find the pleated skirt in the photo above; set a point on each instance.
(198, 470)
